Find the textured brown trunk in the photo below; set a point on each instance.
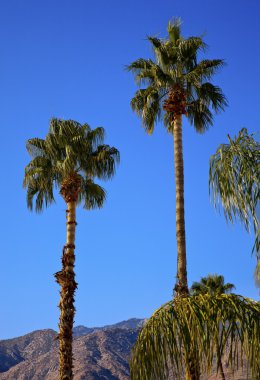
(66, 279)
(181, 287)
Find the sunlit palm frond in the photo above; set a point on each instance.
(189, 48)
(174, 29)
(176, 67)
(199, 324)
(204, 70)
(68, 150)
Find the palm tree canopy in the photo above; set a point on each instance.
(212, 284)
(234, 182)
(68, 149)
(176, 66)
(200, 325)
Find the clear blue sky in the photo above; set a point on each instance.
(65, 58)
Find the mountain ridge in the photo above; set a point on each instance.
(100, 353)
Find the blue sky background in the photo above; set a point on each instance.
(65, 58)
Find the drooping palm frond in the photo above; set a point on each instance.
(200, 325)
(92, 195)
(68, 148)
(234, 181)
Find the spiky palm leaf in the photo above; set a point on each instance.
(199, 325)
(234, 182)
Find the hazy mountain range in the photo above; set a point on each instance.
(101, 353)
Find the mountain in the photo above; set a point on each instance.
(101, 353)
(133, 323)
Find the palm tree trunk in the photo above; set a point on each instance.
(222, 374)
(66, 279)
(181, 287)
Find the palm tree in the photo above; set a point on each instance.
(234, 180)
(180, 337)
(187, 330)
(176, 84)
(68, 160)
(213, 285)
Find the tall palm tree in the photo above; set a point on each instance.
(234, 180)
(69, 159)
(213, 285)
(176, 83)
(180, 337)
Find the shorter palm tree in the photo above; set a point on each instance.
(213, 284)
(69, 159)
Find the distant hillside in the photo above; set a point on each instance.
(132, 323)
(100, 354)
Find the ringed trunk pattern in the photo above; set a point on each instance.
(181, 286)
(66, 279)
(175, 106)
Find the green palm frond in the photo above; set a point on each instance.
(189, 48)
(234, 180)
(212, 96)
(176, 66)
(199, 325)
(96, 136)
(92, 195)
(69, 148)
(36, 147)
(199, 115)
(174, 29)
(212, 284)
(204, 71)
(42, 190)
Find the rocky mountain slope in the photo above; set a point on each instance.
(100, 354)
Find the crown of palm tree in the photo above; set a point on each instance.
(69, 149)
(212, 284)
(176, 67)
